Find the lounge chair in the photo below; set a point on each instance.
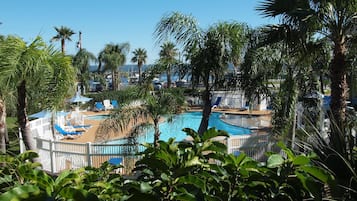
(218, 100)
(82, 126)
(98, 106)
(107, 105)
(115, 104)
(63, 132)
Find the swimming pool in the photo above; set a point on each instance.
(187, 120)
(97, 117)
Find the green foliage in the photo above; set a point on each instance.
(123, 96)
(201, 170)
(21, 179)
(284, 106)
(173, 170)
(81, 62)
(197, 169)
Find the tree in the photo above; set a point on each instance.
(4, 138)
(81, 61)
(210, 51)
(334, 19)
(26, 65)
(140, 57)
(63, 34)
(113, 56)
(168, 55)
(138, 113)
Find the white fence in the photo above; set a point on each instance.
(254, 145)
(57, 156)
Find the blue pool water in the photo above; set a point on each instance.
(97, 117)
(188, 120)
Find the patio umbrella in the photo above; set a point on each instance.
(79, 99)
(47, 114)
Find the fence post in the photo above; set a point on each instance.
(51, 156)
(21, 141)
(229, 146)
(89, 154)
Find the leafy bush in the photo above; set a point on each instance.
(199, 169)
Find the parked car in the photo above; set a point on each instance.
(157, 86)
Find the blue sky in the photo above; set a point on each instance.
(116, 21)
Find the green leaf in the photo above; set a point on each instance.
(185, 196)
(5, 179)
(309, 184)
(28, 155)
(194, 161)
(192, 133)
(274, 161)
(212, 133)
(194, 180)
(20, 192)
(164, 177)
(288, 152)
(145, 187)
(301, 160)
(318, 173)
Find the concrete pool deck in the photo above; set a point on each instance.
(89, 134)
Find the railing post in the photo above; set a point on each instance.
(51, 156)
(89, 154)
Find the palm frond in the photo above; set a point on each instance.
(182, 28)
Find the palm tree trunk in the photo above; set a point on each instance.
(114, 82)
(206, 110)
(99, 66)
(22, 115)
(321, 79)
(139, 69)
(62, 45)
(338, 96)
(157, 132)
(4, 139)
(168, 72)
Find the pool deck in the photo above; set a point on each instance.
(235, 111)
(89, 134)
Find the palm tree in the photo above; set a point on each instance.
(140, 56)
(138, 113)
(81, 61)
(168, 55)
(113, 56)
(63, 34)
(34, 64)
(4, 138)
(210, 51)
(333, 19)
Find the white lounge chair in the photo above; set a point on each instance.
(107, 104)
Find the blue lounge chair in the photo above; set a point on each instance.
(64, 132)
(98, 106)
(84, 126)
(115, 104)
(218, 100)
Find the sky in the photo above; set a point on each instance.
(117, 21)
